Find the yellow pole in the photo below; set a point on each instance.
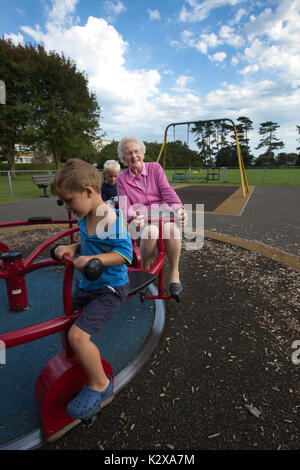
(241, 164)
(163, 148)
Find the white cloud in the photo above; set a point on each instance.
(201, 43)
(211, 40)
(242, 100)
(181, 83)
(296, 83)
(36, 33)
(168, 72)
(280, 53)
(206, 41)
(131, 100)
(273, 47)
(153, 14)
(99, 50)
(201, 10)
(114, 7)
(218, 57)
(250, 69)
(14, 38)
(228, 35)
(238, 16)
(201, 46)
(281, 25)
(182, 80)
(235, 61)
(61, 12)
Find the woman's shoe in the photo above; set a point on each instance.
(176, 289)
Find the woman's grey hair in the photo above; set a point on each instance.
(111, 165)
(125, 141)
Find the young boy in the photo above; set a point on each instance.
(103, 235)
(111, 169)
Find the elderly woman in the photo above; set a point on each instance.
(146, 187)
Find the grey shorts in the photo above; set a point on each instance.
(97, 307)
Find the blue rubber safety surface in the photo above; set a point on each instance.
(119, 342)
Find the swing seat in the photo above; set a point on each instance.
(179, 177)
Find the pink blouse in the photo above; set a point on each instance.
(150, 189)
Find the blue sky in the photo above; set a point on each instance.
(154, 62)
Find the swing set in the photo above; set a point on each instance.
(163, 150)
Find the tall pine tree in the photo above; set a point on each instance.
(268, 131)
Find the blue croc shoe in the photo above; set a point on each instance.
(88, 401)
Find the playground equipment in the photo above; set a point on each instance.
(63, 376)
(208, 175)
(163, 150)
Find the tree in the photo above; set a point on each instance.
(216, 140)
(109, 152)
(242, 131)
(69, 114)
(265, 159)
(180, 155)
(206, 140)
(15, 114)
(48, 105)
(227, 156)
(267, 130)
(286, 159)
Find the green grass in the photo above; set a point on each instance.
(24, 188)
(273, 176)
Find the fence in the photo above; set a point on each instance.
(22, 186)
(255, 175)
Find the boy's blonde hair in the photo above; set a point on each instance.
(111, 165)
(74, 176)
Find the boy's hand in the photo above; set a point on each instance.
(62, 250)
(81, 261)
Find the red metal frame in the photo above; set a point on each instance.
(4, 249)
(158, 267)
(63, 376)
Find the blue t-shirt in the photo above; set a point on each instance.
(117, 240)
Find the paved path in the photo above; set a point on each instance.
(271, 216)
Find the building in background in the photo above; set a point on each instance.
(101, 143)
